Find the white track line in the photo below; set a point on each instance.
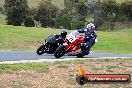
(53, 60)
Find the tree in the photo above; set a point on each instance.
(110, 12)
(66, 21)
(29, 22)
(76, 13)
(46, 13)
(126, 9)
(32, 12)
(1, 9)
(81, 9)
(16, 11)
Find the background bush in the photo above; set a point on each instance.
(29, 22)
(16, 11)
(46, 13)
(105, 14)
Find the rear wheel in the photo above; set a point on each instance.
(41, 50)
(60, 51)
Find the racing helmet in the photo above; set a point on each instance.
(90, 27)
(63, 34)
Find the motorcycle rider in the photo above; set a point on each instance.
(90, 36)
(52, 42)
(61, 36)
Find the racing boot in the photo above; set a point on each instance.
(87, 50)
(83, 48)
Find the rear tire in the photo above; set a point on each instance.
(60, 51)
(41, 49)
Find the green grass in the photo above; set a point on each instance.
(43, 67)
(22, 38)
(29, 38)
(39, 67)
(115, 42)
(23, 75)
(2, 20)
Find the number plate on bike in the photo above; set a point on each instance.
(71, 38)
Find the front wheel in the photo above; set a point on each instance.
(60, 51)
(41, 50)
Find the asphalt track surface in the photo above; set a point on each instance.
(31, 55)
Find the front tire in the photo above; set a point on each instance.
(60, 51)
(41, 49)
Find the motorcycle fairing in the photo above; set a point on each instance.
(74, 52)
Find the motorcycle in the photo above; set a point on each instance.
(71, 45)
(52, 42)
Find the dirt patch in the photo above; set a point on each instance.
(64, 75)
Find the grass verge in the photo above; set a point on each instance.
(29, 38)
(62, 74)
(114, 42)
(23, 38)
